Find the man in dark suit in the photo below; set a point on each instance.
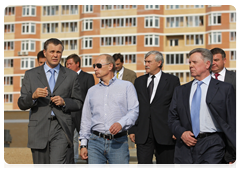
(218, 67)
(202, 115)
(151, 132)
(86, 81)
(121, 72)
(52, 92)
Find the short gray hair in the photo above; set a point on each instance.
(206, 55)
(158, 56)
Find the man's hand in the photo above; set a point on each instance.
(174, 138)
(132, 137)
(40, 92)
(115, 128)
(84, 153)
(188, 138)
(57, 100)
(232, 163)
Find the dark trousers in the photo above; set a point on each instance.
(70, 151)
(164, 153)
(209, 150)
(56, 149)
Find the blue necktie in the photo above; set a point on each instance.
(51, 83)
(195, 109)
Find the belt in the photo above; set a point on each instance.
(203, 135)
(109, 136)
(52, 118)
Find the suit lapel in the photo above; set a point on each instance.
(43, 78)
(212, 90)
(186, 96)
(228, 76)
(124, 77)
(61, 77)
(144, 87)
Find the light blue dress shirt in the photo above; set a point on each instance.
(107, 104)
(207, 121)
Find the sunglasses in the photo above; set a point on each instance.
(99, 65)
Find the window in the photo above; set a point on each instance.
(27, 63)
(50, 10)
(28, 45)
(86, 43)
(87, 24)
(29, 10)
(70, 44)
(8, 45)
(233, 36)
(233, 17)
(69, 27)
(8, 80)
(233, 55)
(152, 22)
(215, 38)
(50, 27)
(174, 59)
(174, 22)
(9, 11)
(117, 7)
(151, 40)
(87, 8)
(28, 28)
(195, 39)
(174, 42)
(69, 9)
(8, 63)
(214, 19)
(149, 7)
(118, 22)
(8, 98)
(87, 61)
(129, 58)
(8, 28)
(119, 40)
(194, 21)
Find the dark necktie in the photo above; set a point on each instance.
(150, 87)
(216, 75)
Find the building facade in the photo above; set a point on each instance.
(132, 30)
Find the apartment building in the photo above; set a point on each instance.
(133, 30)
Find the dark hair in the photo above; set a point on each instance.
(75, 58)
(54, 41)
(40, 55)
(206, 55)
(118, 56)
(218, 51)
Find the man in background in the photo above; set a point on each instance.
(86, 81)
(41, 58)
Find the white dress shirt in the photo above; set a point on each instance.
(120, 75)
(221, 76)
(156, 81)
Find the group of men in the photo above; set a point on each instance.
(192, 123)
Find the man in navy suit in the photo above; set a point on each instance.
(206, 135)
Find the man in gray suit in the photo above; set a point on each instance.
(52, 92)
(121, 72)
(218, 68)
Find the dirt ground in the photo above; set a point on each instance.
(18, 156)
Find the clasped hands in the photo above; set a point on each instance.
(43, 92)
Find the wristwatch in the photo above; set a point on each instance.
(83, 146)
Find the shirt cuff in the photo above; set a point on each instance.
(84, 142)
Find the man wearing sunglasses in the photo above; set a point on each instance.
(110, 109)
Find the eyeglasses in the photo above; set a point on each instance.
(99, 65)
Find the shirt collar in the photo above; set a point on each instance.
(120, 71)
(205, 81)
(110, 81)
(79, 71)
(158, 75)
(47, 68)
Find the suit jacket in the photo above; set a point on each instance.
(85, 81)
(129, 75)
(221, 101)
(66, 87)
(230, 77)
(157, 110)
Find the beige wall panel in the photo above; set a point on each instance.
(59, 18)
(232, 25)
(69, 52)
(232, 64)
(175, 67)
(8, 53)
(184, 11)
(131, 66)
(120, 12)
(8, 36)
(232, 8)
(8, 106)
(9, 18)
(118, 49)
(184, 30)
(60, 35)
(232, 44)
(8, 70)
(8, 88)
(118, 30)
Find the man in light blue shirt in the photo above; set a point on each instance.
(110, 109)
